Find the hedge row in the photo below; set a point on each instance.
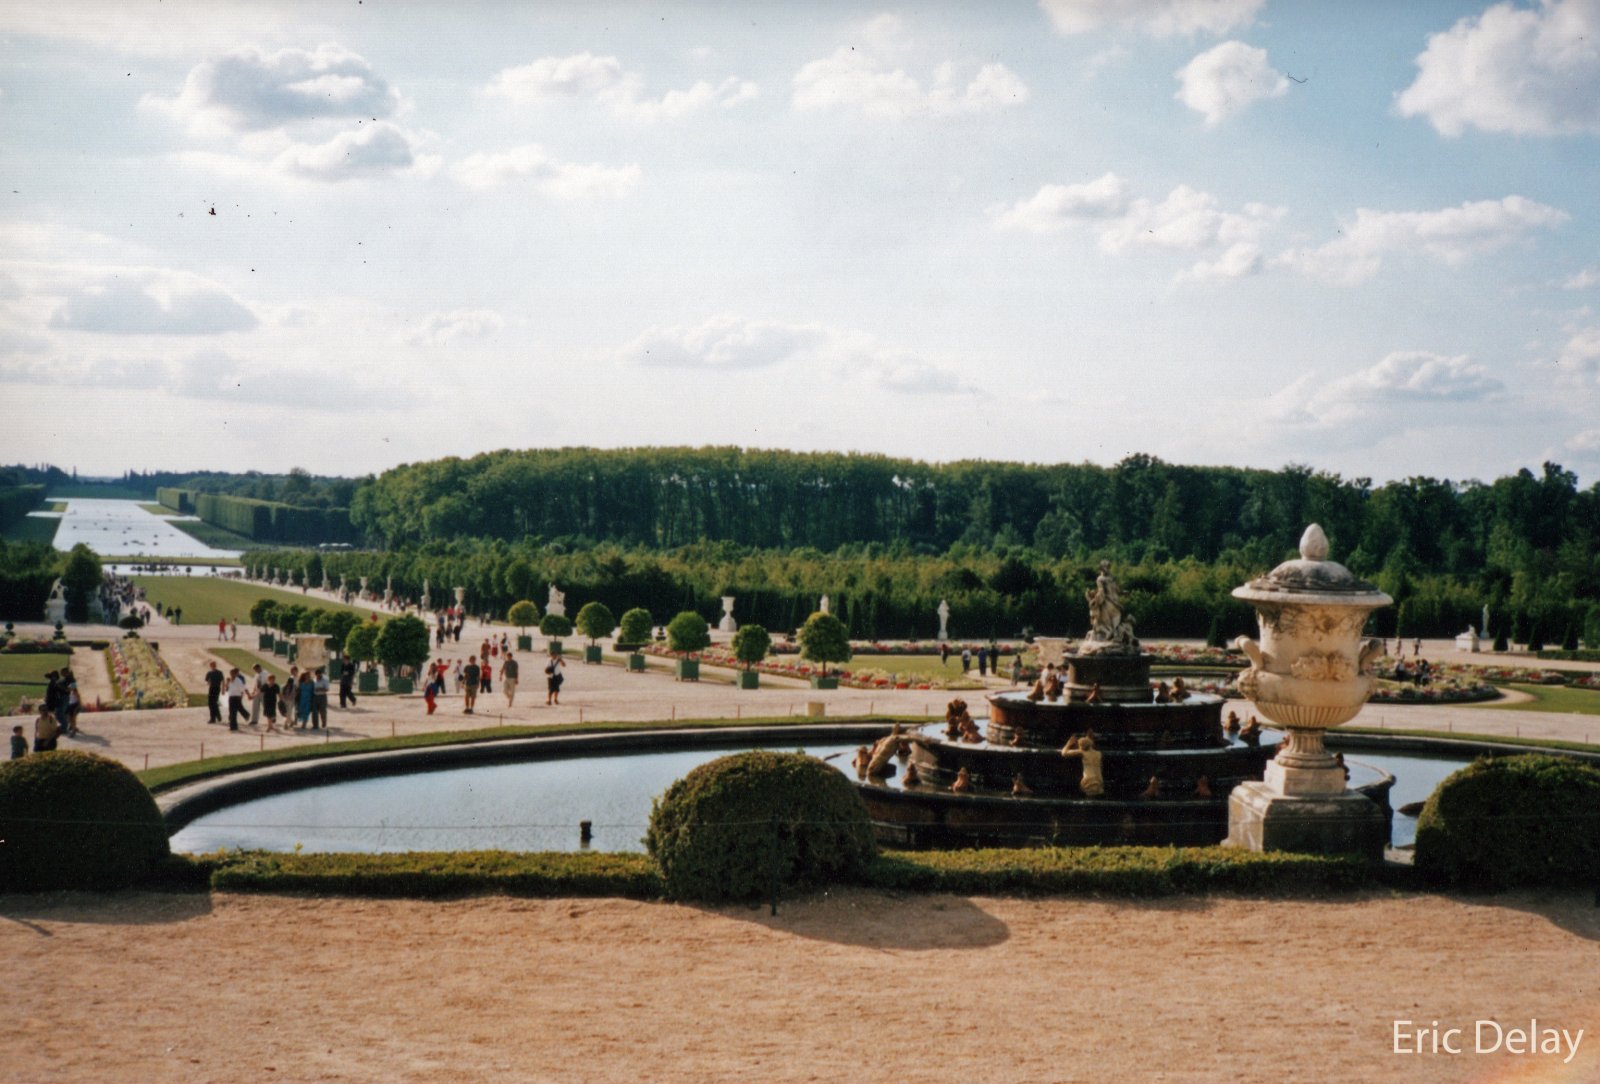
(1087, 871)
(264, 521)
(18, 501)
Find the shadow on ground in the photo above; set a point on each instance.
(36, 911)
(881, 920)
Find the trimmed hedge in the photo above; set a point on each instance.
(76, 820)
(1126, 872)
(264, 521)
(431, 875)
(1520, 820)
(713, 831)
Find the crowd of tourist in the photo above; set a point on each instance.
(301, 701)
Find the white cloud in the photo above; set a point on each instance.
(1585, 442)
(548, 176)
(441, 327)
(1157, 18)
(1223, 80)
(1423, 377)
(1056, 206)
(1239, 260)
(1582, 279)
(859, 78)
(1520, 71)
(605, 80)
(147, 302)
(372, 149)
(1450, 236)
(249, 90)
(731, 343)
(1187, 219)
(1392, 396)
(1581, 354)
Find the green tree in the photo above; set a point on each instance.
(522, 614)
(361, 643)
(336, 625)
(688, 632)
(555, 626)
(262, 611)
(751, 644)
(824, 639)
(637, 624)
(596, 621)
(403, 644)
(518, 580)
(81, 578)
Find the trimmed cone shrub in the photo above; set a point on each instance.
(76, 820)
(712, 834)
(1505, 821)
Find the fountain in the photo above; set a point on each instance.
(1096, 754)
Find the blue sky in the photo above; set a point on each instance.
(1360, 236)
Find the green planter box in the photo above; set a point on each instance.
(264, 641)
(555, 647)
(280, 647)
(592, 653)
(524, 643)
(636, 663)
(335, 669)
(819, 682)
(367, 681)
(749, 679)
(294, 652)
(688, 669)
(400, 684)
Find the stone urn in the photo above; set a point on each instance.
(1309, 672)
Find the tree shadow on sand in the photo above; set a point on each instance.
(874, 919)
(130, 908)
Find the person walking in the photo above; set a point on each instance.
(319, 700)
(430, 691)
(508, 678)
(72, 703)
(269, 702)
(257, 682)
(222, 628)
(236, 693)
(983, 662)
(19, 744)
(214, 693)
(303, 695)
(469, 681)
(966, 660)
(553, 679)
(347, 685)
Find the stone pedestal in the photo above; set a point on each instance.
(1262, 819)
(727, 624)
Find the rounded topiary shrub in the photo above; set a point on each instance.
(1520, 820)
(76, 820)
(712, 833)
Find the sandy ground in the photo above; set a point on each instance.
(854, 985)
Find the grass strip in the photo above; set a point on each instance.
(244, 659)
(1124, 872)
(1458, 735)
(174, 775)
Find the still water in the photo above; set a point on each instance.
(536, 805)
(123, 529)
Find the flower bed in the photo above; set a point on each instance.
(1522, 675)
(142, 677)
(860, 678)
(36, 646)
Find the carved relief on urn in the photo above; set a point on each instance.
(1309, 671)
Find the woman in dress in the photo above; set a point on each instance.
(303, 694)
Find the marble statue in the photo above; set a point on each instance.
(1081, 747)
(727, 624)
(1109, 627)
(944, 619)
(557, 603)
(822, 607)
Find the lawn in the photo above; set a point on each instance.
(918, 664)
(216, 537)
(33, 529)
(11, 696)
(1556, 699)
(31, 668)
(205, 600)
(244, 659)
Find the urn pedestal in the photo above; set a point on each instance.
(1308, 673)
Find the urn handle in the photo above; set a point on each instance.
(1252, 650)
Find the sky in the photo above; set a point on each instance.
(348, 235)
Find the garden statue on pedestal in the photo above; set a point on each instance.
(427, 598)
(727, 624)
(557, 603)
(944, 619)
(55, 608)
(1110, 630)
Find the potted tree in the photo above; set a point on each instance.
(403, 646)
(596, 622)
(824, 639)
(522, 614)
(633, 634)
(261, 616)
(554, 627)
(287, 619)
(336, 626)
(750, 645)
(685, 633)
(361, 646)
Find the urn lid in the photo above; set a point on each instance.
(1312, 575)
